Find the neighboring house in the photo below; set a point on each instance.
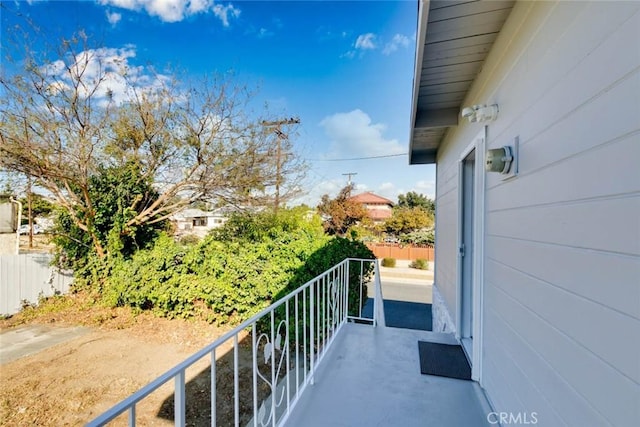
(540, 275)
(197, 221)
(378, 208)
(8, 224)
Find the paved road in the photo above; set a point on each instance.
(407, 302)
(25, 340)
(407, 291)
(399, 289)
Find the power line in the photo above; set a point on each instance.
(357, 158)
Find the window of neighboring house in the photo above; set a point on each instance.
(217, 221)
(200, 221)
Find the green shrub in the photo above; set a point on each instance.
(388, 262)
(420, 264)
(230, 275)
(188, 239)
(424, 237)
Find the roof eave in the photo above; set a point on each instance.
(421, 35)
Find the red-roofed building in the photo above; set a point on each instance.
(379, 208)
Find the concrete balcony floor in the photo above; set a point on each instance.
(371, 377)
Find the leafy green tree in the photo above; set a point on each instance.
(421, 237)
(251, 227)
(341, 213)
(406, 220)
(40, 206)
(415, 200)
(118, 194)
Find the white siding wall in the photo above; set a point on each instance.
(562, 240)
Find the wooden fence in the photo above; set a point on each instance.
(399, 251)
(27, 277)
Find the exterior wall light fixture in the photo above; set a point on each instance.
(480, 113)
(499, 160)
(504, 160)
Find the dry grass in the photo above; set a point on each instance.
(70, 383)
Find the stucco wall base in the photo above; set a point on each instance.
(442, 321)
(7, 243)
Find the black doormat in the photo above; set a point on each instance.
(409, 315)
(402, 314)
(444, 360)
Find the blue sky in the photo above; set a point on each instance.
(344, 68)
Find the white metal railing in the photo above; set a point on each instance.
(289, 339)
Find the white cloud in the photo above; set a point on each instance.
(263, 32)
(386, 186)
(428, 188)
(396, 42)
(225, 12)
(360, 188)
(177, 10)
(103, 69)
(316, 190)
(198, 6)
(350, 54)
(113, 18)
(366, 41)
(353, 134)
(388, 190)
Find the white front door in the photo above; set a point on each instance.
(470, 252)
(466, 253)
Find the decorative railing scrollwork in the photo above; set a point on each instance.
(270, 349)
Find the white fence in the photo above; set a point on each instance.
(26, 278)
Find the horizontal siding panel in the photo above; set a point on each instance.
(590, 175)
(498, 381)
(592, 124)
(610, 393)
(515, 382)
(609, 279)
(610, 335)
(573, 66)
(606, 224)
(572, 408)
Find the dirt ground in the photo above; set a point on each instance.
(73, 382)
(40, 243)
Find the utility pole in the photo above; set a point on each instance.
(275, 125)
(349, 175)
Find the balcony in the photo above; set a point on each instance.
(371, 377)
(314, 358)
